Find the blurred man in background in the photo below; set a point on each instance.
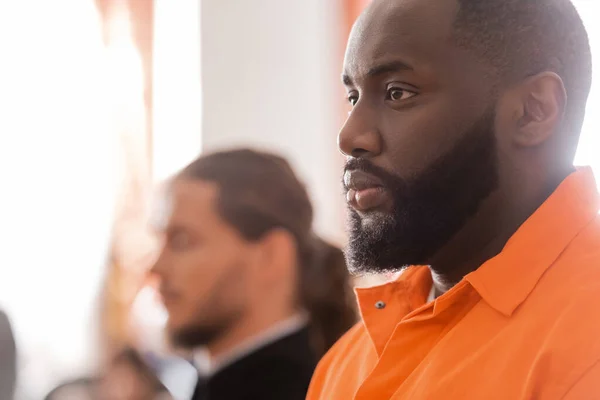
(460, 145)
(127, 376)
(78, 389)
(245, 281)
(8, 359)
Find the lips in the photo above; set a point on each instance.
(365, 191)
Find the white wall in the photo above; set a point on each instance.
(588, 152)
(177, 113)
(270, 72)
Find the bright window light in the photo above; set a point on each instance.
(177, 113)
(589, 146)
(58, 174)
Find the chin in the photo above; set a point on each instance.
(370, 223)
(171, 326)
(373, 219)
(379, 244)
(191, 336)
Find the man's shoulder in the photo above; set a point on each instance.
(6, 333)
(352, 356)
(569, 288)
(4, 321)
(356, 336)
(577, 267)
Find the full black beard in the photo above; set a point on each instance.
(427, 210)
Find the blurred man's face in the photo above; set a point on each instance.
(205, 281)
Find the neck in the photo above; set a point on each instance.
(485, 234)
(250, 326)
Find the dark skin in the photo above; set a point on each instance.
(414, 92)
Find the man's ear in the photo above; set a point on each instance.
(540, 103)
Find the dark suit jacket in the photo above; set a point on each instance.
(279, 371)
(8, 359)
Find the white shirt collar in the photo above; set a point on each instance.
(431, 296)
(208, 366)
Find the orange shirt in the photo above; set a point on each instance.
(525, 325)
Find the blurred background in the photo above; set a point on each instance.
(104, 99)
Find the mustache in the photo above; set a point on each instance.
(388, 179)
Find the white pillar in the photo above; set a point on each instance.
(270, 79)
(177, 113)
(589, 144)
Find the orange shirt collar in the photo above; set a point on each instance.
(506, 280)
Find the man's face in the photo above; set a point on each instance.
(205, 278)
(420, 138)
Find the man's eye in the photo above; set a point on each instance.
(397, 94)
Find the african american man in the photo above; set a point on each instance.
(460, 143)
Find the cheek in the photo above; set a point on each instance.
(206, 281)
(417, 137)
(191, 276)
(506, 122)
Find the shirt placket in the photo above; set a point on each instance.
(411, 341)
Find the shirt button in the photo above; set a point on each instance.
(380, 305)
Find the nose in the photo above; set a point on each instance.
(359, 137)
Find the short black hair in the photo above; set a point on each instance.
(521, 38)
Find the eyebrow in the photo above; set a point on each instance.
(393, 66)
